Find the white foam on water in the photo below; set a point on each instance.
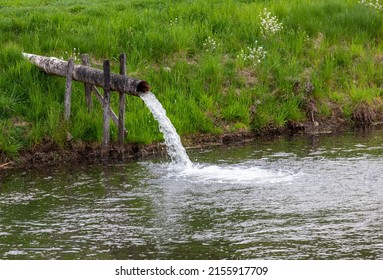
(236, 174)
(241, 174)
(173, 143)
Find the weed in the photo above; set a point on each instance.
(373, 4)
(11, 138)
(75, 54)
(210, 45)
(269, 24)
(252, 55)
(8, 104)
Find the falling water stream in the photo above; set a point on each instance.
(173, 143)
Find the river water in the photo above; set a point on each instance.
(307, 197)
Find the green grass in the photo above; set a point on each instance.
(188, 52)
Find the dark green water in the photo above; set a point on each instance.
(288, 198)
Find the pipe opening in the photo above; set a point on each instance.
(143, 86)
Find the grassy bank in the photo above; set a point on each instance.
(216, 66)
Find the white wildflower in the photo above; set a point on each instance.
(252, 55)
(130, 31)
(269, 24)
(173, 22)
(210, 44)
(75, 54)
(373, 4)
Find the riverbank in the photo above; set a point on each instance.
(218, 67)
(74, 152)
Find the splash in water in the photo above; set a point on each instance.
(173, 143)
(238, 174)
(181, 168)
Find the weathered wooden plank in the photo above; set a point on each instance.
(121, 111)
(106, 107)
(68, 88)
(85, 74)
(87, 87)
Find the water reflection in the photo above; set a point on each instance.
(328, 205)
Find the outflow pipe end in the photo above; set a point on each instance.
(143, 87)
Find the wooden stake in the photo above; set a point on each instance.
(68, 88)
(121, 111)
(106, 107)
(88, 87)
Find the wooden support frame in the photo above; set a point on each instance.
(68, 88)
(106, 108)
(121, 111)
(87, 87)
(92, 78)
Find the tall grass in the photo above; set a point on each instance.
(190, 53)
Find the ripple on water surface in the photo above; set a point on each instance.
(287, 201)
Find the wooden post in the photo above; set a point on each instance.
(88, 87)
(68, 88)
(121, 111)
(106, 106)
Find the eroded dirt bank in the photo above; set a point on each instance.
(49, 153)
